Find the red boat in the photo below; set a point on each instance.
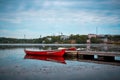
(46, 52)
(72, 49)
(57, 59)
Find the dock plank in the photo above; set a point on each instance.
(100, 53)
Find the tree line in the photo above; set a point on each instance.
(71, 39)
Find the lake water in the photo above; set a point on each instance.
(15, 65)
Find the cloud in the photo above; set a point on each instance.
(11, 20)
(56, 3)
(62, 16)
(63, 11)
(110, 2)
(46, 15)
(68, 16)
(80, 4)
(19, 33)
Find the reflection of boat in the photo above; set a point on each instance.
(46, 52)
(70, 49)
(47, 58)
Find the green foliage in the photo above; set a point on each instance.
(114, 38)
(57, 39)
(79, 38)
(96, 40)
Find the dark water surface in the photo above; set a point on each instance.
(15, 65)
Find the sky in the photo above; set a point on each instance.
(33, 18)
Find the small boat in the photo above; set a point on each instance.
(58, 59)
(46, 52)
(81, 49)
(69, 49)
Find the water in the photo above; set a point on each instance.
(15, 65)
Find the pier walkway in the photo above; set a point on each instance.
(110, 56)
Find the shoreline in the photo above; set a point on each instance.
(33, 44)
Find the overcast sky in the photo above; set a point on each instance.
(47, 17)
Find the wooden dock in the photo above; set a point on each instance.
(109, 56)
(99, 53)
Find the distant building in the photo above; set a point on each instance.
(103, 38)
(100, 37)
(64, 37)
(88, 41)
(92, 35)
(49, 39)
(72, 41)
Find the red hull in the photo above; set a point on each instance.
(47, 58)
(72, 49)
(46, 53)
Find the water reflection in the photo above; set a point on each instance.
(85, 47)
(46, 58)
(14, 67)
(82, 47)
(117, 63)
(71, 58)
(103, 47)
(63, 59)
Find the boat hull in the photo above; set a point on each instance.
(46, 53)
